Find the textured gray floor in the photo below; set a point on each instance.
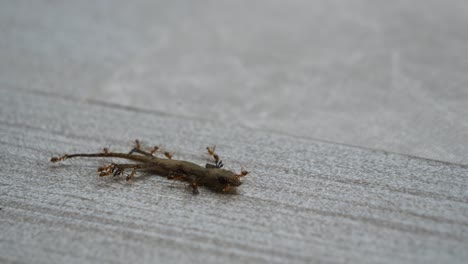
(278, 87)
(386, 75)
(305, 200)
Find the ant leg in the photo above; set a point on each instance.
(138, 149)
(218, 163)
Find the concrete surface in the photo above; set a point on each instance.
(387, 75)
(305, 201)
(339, 108)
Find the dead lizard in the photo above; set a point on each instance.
(212, 176)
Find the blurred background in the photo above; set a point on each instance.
(389, 75)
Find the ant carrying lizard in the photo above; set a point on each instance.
(212, 176)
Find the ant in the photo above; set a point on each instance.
(218, 163)
(212, 176)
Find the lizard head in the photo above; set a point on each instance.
(223, 179)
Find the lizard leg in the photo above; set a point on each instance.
(183, 177)
(137, 149)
